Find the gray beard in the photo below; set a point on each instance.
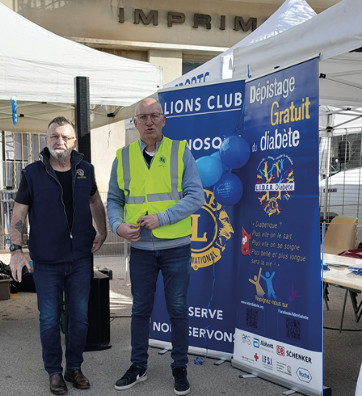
(60, 155)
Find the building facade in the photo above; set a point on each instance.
(174, 35)
(178, 36)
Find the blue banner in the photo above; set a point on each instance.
(279, 307)
(255, 290)
(204, 116)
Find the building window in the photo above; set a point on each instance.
(188, 66)
(20, 149)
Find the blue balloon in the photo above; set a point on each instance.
(217, 155)
(210, 170)
(228, 190)
(234, 152)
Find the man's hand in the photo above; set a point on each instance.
(149, 221)
(98, 242)
(129, 231)
(17, 262)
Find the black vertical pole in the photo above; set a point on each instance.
(82, 116)
(98, 335)
(82, 128)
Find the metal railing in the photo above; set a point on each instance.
(12, 173)
(6, 210)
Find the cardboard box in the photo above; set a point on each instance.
(4, 289)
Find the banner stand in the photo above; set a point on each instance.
(256, 240)
(271, 378)
(279, 324)
(203, 116)
(167, 346)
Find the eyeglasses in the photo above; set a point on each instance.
(144, 117)
(64, 138)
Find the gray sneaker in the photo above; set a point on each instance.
(133, 376)
(182, 386)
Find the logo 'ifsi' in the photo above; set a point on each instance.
(211, 229)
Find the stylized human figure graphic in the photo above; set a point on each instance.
(259, 290)
(268, 280)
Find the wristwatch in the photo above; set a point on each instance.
(14, 247)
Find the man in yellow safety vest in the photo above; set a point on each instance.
(153, 190)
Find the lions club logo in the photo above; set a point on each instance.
(274, 183)
(162, 161)
(80, 174)
(211, 229)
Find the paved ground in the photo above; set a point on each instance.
(22, 373)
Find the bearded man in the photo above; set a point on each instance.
(60, 195)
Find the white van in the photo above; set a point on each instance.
(340, 172)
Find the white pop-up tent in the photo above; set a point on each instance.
(291, 13)
(330, 35)
(38, 70)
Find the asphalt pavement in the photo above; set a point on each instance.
(22, 372)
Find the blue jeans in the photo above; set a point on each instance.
(51, 281)
(175, 268)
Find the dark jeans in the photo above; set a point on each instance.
(175, 268)
(51, 280)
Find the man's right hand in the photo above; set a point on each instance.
(129, 231)
(17, 263)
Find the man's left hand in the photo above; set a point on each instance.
(149, 221)
(98, 242)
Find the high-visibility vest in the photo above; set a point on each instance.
(154, 189)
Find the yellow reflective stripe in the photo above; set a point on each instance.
(174, 165)
(120, 169)
(172, 196)
(126, 168)
(134, 200)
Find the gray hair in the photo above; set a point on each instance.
(60, 120)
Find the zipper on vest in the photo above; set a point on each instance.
(65, 213)
(74, 173)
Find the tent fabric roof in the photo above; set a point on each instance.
(330, 35)
(39, 66)
(341, 79)
(288, 15)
